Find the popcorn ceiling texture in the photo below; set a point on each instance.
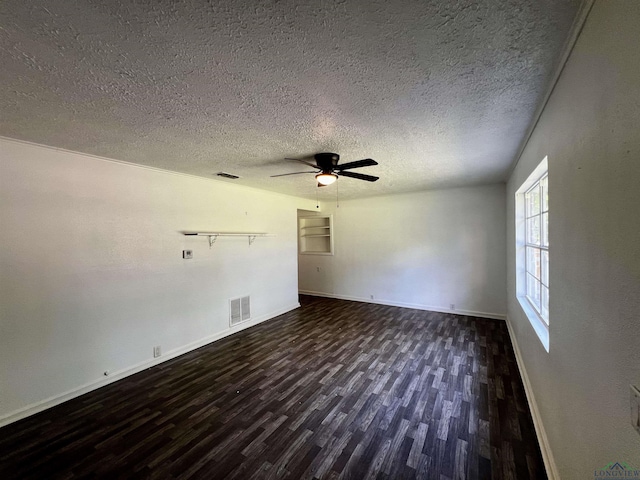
(439, 93)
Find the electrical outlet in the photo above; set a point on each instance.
(187, 254)
(371, 296)
(635, 408)
(452, 306)
(156, 351)
(317, 269)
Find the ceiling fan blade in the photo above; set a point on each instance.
(293, 173)
(359, 176)
(367, 162)
(303, 161)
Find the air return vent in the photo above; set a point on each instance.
(239, 309)
(227, 175)
(245, 303)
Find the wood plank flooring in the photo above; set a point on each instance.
(332, 390)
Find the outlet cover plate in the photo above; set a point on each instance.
(635, 408)
(187, 254)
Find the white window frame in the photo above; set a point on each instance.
(533, 311)
(538, 280)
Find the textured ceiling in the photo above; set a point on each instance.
(440, 93)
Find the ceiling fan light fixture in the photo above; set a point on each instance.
(326, 178)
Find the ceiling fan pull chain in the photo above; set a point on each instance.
(337, 195)
(317, 188)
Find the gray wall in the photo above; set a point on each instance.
(590, 130)
(92, 275)
(423, 250)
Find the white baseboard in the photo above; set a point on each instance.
(120, 374)
(545, 448)
(472, 313)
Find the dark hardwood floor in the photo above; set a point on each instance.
(334, 389)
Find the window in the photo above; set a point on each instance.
(536, 204)
(532, 250)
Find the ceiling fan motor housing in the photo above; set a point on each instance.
(326, 161)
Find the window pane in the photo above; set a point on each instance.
(532, 201)
(545, 229)
(544, 183)
(544, 265)
(533, 262)
(533, 230)
(533, 291)
(531, 283)
(544, 311)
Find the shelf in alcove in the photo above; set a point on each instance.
(315, 235)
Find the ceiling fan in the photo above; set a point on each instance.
(327, 168)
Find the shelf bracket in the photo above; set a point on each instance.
(212, 240)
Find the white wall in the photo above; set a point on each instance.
(590, 129)
(423, 250)
(92, 275)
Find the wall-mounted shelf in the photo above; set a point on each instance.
(213, 236)
(315, 235)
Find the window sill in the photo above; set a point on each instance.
(541, 328)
